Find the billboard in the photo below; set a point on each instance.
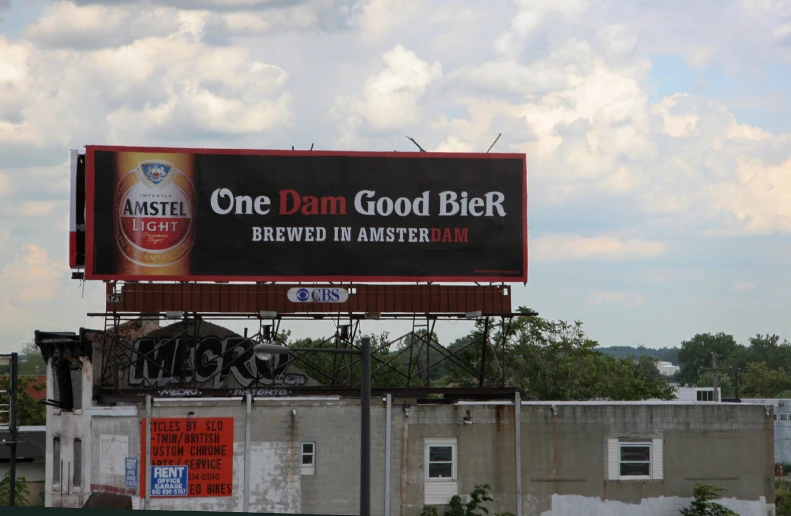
(76, 210)
(244, 215)
(190, 456)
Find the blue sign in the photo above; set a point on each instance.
(131, 472)
(168, 480)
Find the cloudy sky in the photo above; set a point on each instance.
(656, 133)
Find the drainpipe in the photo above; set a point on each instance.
(387, 453)
(518, 442)
(247, 431)
(147, 487)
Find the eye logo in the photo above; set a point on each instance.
(303, 294)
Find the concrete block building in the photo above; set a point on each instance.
(301, 455)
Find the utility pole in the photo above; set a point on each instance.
(714, 372)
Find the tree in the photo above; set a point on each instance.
(769, 349)
(555, 360)
(33, 363)
(762, 382)
(695, 355)
(20, 495)
(30, 361)
(724, 382)
(29, 411)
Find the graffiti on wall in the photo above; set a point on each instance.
(209, 361)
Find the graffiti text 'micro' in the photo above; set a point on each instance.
(207, 362)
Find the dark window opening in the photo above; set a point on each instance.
(77, 480)
(635, 460)
(68, 384)
(56, 461)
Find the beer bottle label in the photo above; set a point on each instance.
(155, 203)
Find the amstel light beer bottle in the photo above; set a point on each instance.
(154, 213)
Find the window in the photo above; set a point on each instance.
(77, 480)
(441, 465)
(783, 417)
(635, 459)
(706, 395)
(56, 461)
(308, 465)
(440, 461)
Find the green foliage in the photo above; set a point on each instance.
(702, 504)
(30, 361)
(429, 510)
(724, 382)
(555, 360)
(763, 365)
(22, 492)
(663, 354)
(760, 381)
(29, 411)
(783, 497)
(386, 367)
(478, 497)
(695, 355)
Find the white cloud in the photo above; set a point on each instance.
(567, 82)
(554, 248)
(30, 278)
(30, 284)
(390, 100)
(36, 294)
(99, 26)
(155, 89)
(759, 196)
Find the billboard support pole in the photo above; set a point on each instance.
(247, 432)
(365, 427)
(388, 449)
(147, 486)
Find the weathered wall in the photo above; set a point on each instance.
(564, 462)
(68, 426)
(782, 417)
(563, 454)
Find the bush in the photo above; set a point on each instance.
(21, 491)
(478, 497)
(702, 504)
(783, 497)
